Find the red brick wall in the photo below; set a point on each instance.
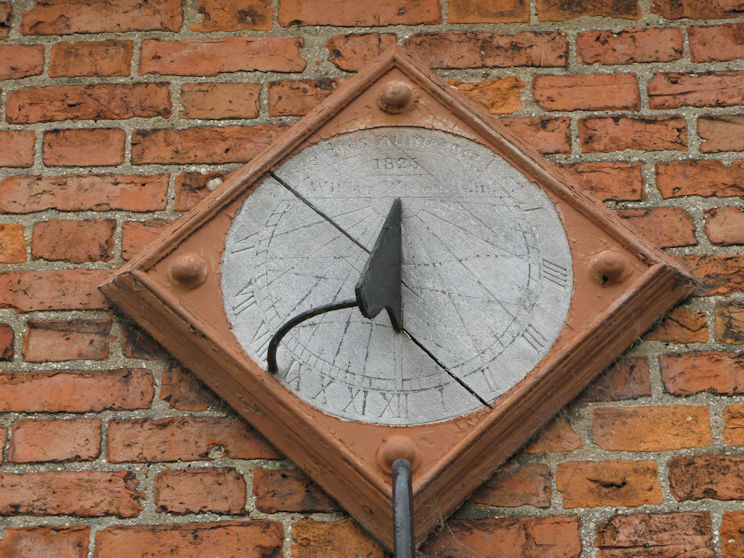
(119, 115)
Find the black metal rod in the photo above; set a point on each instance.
(403, 509)
(299, 318)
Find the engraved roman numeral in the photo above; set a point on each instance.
(555, 273)
(357, 400)
(325, 382)
(489, 376)
(535, 339)
(396, 405)
(260, 340)
(292, 379)
(245, 243)
(245, 298)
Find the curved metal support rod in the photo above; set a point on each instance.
(299, 318)
(403, 509)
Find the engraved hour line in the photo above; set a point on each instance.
(534, 338)
(555, 273)
(485, 225)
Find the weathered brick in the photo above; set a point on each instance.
(696, 9)
(135, 235)
(103, 101)
(559, 10)
(721, 133)
(182, 390)
(628, 378)
(719, 477)
(184, 438)
(729, 324)
(6, 18)
(586, 92)
(66, 340)
(65, 289)
(17, 148)
(200, 490)
(604, 134)
(668, 90)
(76, 241)
(209, 57)
(669, 535)
(348, 13)
(547, 135)
(19, 61)
(629, 46)
(556, 437)
(228, 539)
(732, 534)
(664, 226)
(225, 144)
(476, 49)
(102, 192)
(699, 178)
(233, 15)
(73, 148)
(289, 490)
(90, 58)
(717, 274)
(87, 494)
(609, 180)
(516, 485)
(499, 95)
(717, 372)
(12, 244)
(332, 539)
(35, 441)
(61, 17)
(75, 391)
(587, 484)
(220, 100)
(49, 542)
(733, 430)
(725, 225)
(544, 537)
(7, 342)
(351, 52)
(486, 11)
(682, 325)
(136, 343)
(651, 428)
(716, 42)
(193, 187)
(298, 97)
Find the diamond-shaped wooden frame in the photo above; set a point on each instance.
(621, 286)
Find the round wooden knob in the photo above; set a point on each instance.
(188, 271)
(610, 268)
(396, 97)
(397, 447)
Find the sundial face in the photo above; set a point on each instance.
(486, 272)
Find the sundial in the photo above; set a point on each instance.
(398, 278)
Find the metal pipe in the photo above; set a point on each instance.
(403, 509)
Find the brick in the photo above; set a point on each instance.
(65, 289)
(717, 274)
(233, 15)
(75, 241)
(193, 187)
(556, 437)
(49, 542)
(75, 391)
(547, 135)
(17, 148)
(486, 11)
(729, 322)
(102, 192)
(651, 428)
(225, 144)
(559, 10)
(36, 441)
(605, 134)
(721, 133)
(716, 372)
(586, 92)
(716, 42)
(66, 340)
(475, 49)
(87, 494)
(6, 18)
(629, 46)
(289, 490)
(135, 235)
(220, 100)
(668, 90)
(682, 325)
(732, 534)
(182, 390)
(718, 477)
(332, 539)
(209, 57)
(226, 539)
(699, 178)
(88, 102)
(184, 438)
(12, 244)
(588, 484)
(200, 490)
(348, 13)
(733, 430)
(7, 342)
(628, 378)
(73, 148)
(61, 17)
(514, 485)
(609, 180)
(298, 97)
(20, 61)
(527, 537)
(351, 52)
(499, 95)
(668, 535)
(90, 58)
(136, 343)
(696, 9)
(664, 226)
